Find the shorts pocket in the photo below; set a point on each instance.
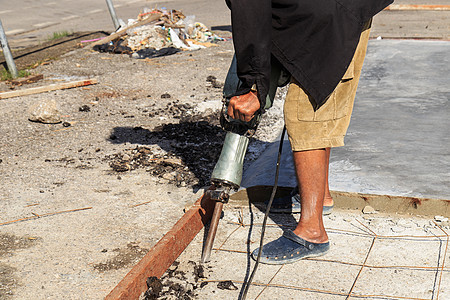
(298, 104)
(335, 107)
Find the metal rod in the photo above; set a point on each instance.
(212, 231)
(7, 53)
(112, 11)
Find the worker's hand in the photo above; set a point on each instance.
(243, 107)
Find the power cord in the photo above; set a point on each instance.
(269, 205)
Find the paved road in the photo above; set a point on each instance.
(29, 21)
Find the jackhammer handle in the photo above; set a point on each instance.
(212, 231)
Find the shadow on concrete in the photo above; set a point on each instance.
(197, 143)
(259, 196)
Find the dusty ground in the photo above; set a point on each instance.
(147, 133)
(48, 50)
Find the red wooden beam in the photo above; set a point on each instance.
(164, 253)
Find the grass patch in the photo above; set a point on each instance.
(6, 75)
(59, 34)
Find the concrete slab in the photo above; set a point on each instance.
(398, 141)
(371, 256)
(445, 282)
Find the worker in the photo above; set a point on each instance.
(322, 44)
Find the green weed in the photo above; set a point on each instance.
(59, 34)
(6, 75)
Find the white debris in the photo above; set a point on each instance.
(369, 210)
(177, 31)
(397, 229)
(147, 36)
(440, 219)
(45, 111)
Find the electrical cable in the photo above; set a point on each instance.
(269, 205)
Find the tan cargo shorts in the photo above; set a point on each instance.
(308, 129)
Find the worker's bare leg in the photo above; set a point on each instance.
(311, 168)
(328, 200)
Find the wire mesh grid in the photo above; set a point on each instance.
(376, 266)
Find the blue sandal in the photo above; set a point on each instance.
(289, 248)
(291, 204)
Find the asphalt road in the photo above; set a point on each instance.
(27, 22)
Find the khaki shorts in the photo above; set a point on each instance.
(308, 129)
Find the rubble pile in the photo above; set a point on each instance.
(171, 33)
(194, 147)
(181, 281)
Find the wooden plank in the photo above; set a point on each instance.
(26, 80)
(417, 7)
(153, 18)
(164, 253)
(51, 87)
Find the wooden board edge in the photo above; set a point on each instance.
(165, 252)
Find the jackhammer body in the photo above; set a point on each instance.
(227, 173)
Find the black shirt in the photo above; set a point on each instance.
(313, 39)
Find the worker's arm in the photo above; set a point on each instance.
(252, 25)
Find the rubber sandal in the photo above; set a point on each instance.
(291, 204)
(289, 248)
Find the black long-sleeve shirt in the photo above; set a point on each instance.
(313, 39)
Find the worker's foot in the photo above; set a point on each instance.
(291, 204)
(289, 248)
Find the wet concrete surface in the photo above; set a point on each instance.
(398, 141)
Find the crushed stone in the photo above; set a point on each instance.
(192, 148)
(182, 280)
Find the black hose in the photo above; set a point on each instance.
(269, 205)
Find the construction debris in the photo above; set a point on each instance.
(440, 219)
(369, 210)
(45, 111)
(181, 281)
(26, 80)
(84, 108)
(122, 32)
(195, 144)
(226, 285)
(158, 32)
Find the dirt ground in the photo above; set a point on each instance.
(50, 49)
(132, 152)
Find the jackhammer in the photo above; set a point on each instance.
(227, 174)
